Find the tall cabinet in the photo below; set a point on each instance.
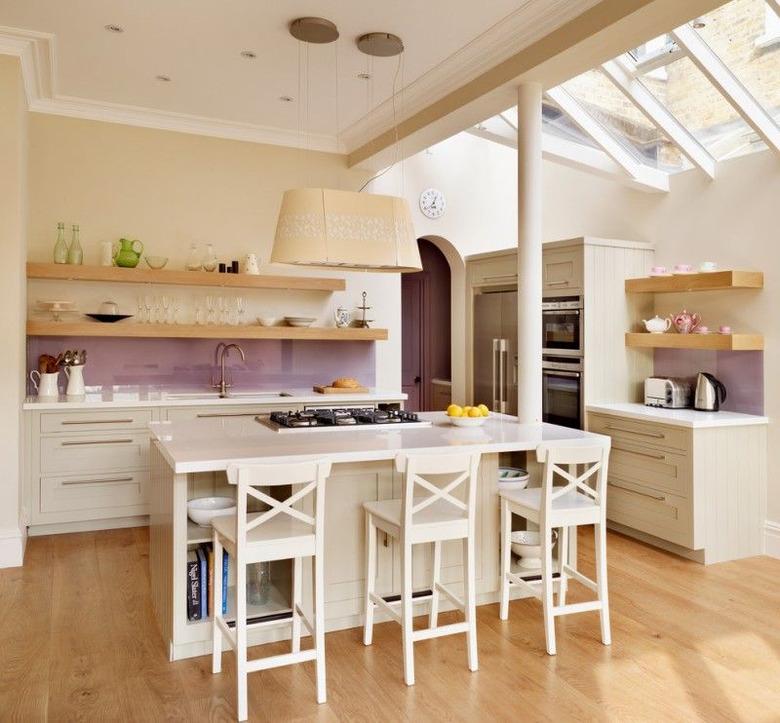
(595, 269)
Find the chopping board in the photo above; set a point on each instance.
(339, 390)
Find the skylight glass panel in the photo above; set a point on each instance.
(745, 34)
(557, 123)
(700, 107)
(635, 132)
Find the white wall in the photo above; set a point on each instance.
(732, 220)
(13, 212)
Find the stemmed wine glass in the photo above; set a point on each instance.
(148, 300)
(140, 309)
(166, 303)
(241, 308)
(209, 309)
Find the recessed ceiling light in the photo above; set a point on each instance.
(286, 98)
(699, 23)
(114, 28)
(364, 76)
(250, 54)
(163, 78)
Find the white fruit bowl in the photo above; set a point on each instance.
(467, 421)
(526, 544)
(204, 509)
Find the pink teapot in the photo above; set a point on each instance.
(685, 322)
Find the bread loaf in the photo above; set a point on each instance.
(345, 383)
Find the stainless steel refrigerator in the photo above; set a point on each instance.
(495, 350)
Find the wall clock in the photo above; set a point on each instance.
(432, 203)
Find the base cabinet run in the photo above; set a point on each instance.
(699, 492)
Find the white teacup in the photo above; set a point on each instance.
(708, 266)
(46, 385)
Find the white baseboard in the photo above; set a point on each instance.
(12, 544)
(772, 538)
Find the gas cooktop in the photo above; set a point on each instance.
(346, 418)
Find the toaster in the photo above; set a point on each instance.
(668, 392)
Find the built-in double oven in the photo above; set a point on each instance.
(562, 360)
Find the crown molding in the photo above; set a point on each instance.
(524, 26)
(37, 55)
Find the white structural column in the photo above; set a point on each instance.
(529, 252)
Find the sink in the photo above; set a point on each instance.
(234, 395)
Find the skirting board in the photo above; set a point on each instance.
(12, 543)
(772, 538)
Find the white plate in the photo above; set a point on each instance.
(291, 322)
(667, 273)
(685, 273)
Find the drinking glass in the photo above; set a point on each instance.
(166, 305)
(176, 304)
(241, 307)
(209, 309)
(140, 309)
(148, 301)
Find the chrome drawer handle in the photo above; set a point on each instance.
(227, 414)
(641, 494)
(640, 454)
(501, 276)
(97, 481)
(556, 283)
(654, 435)
(97, 421)
(97, 441)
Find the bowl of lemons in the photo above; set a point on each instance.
(467, 416)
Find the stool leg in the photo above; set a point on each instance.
(600, 535)
(297, 600)
(241, 667)
(319, 625)
(368, 618)
(547, 590)
(469, 577)
(406, 611)
(563, 557)
(216, 631)
(506, 558)
(433, 618)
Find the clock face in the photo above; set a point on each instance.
(432, 203)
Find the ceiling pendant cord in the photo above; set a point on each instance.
(301, 160)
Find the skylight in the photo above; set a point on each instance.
(699, 94)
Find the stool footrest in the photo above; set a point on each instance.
(454, 599)
(388, 606)
(437, 632)
(583, 607)
(277, 661)
(580, 578)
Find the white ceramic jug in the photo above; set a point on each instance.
(75, 376)
(46, 386)
(106, 253)
(342, 317)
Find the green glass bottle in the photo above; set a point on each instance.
(75, 254)
(60, 248)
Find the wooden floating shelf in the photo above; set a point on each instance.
(192, 331)
(714, 281)
(116, 274)
(716, 342)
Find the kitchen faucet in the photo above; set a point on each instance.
(223, 351)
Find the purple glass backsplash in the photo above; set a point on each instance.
(272, 364)
(742, 372)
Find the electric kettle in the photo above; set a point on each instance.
(710, 393)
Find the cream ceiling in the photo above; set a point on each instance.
(198, 43)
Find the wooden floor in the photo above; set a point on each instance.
(78, 642)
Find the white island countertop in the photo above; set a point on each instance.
(678, 417)
(210, 445)
(130, 396)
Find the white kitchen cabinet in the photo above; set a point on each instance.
(562, 270)
(694, 490)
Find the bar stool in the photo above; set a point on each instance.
(573, 504)
(282, 532)
(431, 518)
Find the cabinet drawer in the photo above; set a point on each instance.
(186, 414)
(562, 270)
(657, 513)
(96, 421)
(106, 495)
(499, 270)
(649, 467)
(91, 453)
(650, 434)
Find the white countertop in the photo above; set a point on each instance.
(678, 417)
(210, 445)
(148, 396)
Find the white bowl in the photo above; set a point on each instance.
(512, 478)
(267, 320)
(526, 545)
(204, 509)
(467, 421)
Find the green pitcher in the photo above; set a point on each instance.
(127, 256)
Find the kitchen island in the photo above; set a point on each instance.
(189, 459)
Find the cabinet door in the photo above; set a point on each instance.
(562, 270)
(496, 270)
(345, 535)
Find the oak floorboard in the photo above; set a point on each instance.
(79, 641)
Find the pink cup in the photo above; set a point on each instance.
(725, 329)
(702, 330)
(658, 270)
(683, 268)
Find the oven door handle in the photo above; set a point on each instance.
(502, 380)
(495, 351)
(558, 372)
